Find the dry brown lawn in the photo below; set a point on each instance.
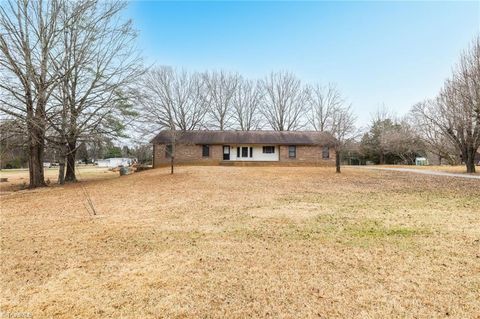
(239, 242)
(18, 178)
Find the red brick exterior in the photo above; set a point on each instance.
(308, 155)
(187, 154)
(192, 155)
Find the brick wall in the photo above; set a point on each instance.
(308, 154)
(187, 154)
(192, 154)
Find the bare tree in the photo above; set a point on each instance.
(329, 112)
(220, 89)
(173, 100)
(29, 36)
(403, 142)
(434, 140)
(285, 101)
(100, 65)
(456, 111)
(343, 129)
(246, 103)
(323, 101)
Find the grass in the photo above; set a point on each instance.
(374, 230)
(236, 242)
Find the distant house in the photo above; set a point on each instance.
(115, 162)
(221, 147)
(421, 161)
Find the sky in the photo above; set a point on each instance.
(377, 53)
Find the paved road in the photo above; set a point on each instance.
(419, 171)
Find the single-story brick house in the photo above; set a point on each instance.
(225, 147)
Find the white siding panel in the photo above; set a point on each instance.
(257, 153)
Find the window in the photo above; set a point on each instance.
(168, 150)
(268, 149)
(325, 152)
(238, 151)
(205, 150)
(292, 151)
(244, 151)
(251, 151)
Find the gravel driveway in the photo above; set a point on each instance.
(419, 171)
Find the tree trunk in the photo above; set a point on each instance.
(70, 175)
(470, 160)
(337, 161)
(61, 164)
(35, 166)
(35, 160)
(61, 171)
(172, 158)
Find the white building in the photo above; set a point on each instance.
(115, 162)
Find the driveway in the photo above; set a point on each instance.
(419, 171)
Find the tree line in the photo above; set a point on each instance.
(181, 100)
(71, 75)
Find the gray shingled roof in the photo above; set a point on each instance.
(246, 137)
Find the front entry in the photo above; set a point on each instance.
(226, 152)
(243, 152)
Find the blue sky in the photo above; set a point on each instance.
(396, 53)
